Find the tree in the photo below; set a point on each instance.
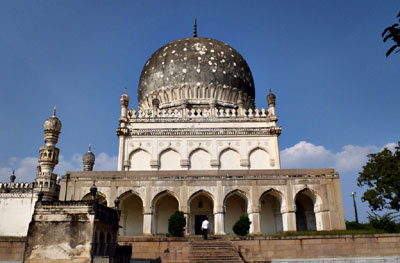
(392, 32)
(242, 226)
(176, 224)
(381, 175)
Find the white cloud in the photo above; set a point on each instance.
(25, 169)
(307, 155)
(391, 146)
(104, 162)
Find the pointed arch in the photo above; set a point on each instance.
(164, 205)
(200, 206)
(199, 159)
(259, 158)
(131, 205)
(306, 202)
(229, 159)
(102, 197)
(139, 160)
(169, 159)
(271, 207)
(236, 204)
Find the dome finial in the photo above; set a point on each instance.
(124, 90)
(195, 27)
(90, 147)
(54, 111)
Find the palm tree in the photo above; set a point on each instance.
(392, 32)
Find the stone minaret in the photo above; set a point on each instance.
(46, 180)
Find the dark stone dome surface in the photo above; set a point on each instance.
(195, 61)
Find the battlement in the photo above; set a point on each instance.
(16, 187)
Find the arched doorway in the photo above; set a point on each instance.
(305, 216)
(235, 206)
(201, 206)
(270, 213)
(164, 204)
(101, 197)
(131, 215)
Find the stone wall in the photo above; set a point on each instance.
(17, 202)
(12, 249)
(278, 249)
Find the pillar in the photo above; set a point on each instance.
(254, 217)
(147, 218)
(289, 218)
(219, 223)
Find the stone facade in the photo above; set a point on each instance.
(74, 231)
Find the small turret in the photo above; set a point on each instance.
(124, 105)
(12, 177)
(88, 160)
(271, 102)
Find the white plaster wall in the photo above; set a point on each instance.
(259, 159)
(230, 159)
(260, 152)
(170, 160)
(200, 160)
(15, 215)
(140, 161)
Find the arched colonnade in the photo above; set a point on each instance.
(270, 214)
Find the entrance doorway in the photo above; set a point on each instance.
(198, 219)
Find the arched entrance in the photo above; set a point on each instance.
(131, 215)
(305, 216)
(270, 214)
(164, 204)
(101, 197)
(235, 206)
(201, 206)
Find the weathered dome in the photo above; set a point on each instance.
(88, 160)
(197, 71)
(52, 123)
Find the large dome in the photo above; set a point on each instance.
(196, 71)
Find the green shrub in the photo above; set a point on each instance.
(242, 226)
(176, 224)
(353, 225)
(386, 222)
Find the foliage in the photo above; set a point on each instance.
(386, 222)
(176, 224)
(353, 225)
(242, 226)
(392, 32)
(381, 175)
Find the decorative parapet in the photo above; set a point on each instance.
(16, 190)
(208, 114)
(273, 130)
(15, 187)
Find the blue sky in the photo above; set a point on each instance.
(337, 93)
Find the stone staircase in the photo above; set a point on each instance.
(213, 251)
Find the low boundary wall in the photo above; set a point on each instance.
(12, 249)
(277, 249)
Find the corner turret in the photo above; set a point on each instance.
(88, 160)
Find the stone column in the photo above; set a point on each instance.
(289, 219)
(254, 216)
(219, 223)
(187, 228)
(147, 221)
